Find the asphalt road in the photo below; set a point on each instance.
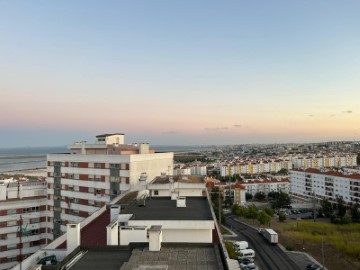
(267, 256)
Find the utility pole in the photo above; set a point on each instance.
(219, 210)
(314, 207)
(322, 250)
(21, 223)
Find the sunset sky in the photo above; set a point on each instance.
(179, 72)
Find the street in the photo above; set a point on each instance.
(267, 256)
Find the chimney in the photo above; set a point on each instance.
(155, 238)
(72, 237)
(114, 212)
(181, 202)
(112, 233)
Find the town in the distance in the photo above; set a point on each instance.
(109, 204)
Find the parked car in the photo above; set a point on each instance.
(246, 260)
(313, 266)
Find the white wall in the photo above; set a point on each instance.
(186, 236)
(132, 235)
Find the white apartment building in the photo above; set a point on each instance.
(318, 162)
(177, 186)
(254, 167)
(265, 186)
(200, 170)
(92, 174)
(325, 184)
(22, 220)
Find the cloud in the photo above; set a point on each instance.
(169, 132)
(237, 126)
(349, 111)
(216, 128)
(311, 115)
(332, 115)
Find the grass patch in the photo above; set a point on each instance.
(224, 230)
(343, 238)
(231, 250)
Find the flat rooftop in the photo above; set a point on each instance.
(181, 179)
(170, 257)
(176, 258)
(197, 208)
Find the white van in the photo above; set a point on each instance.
(247, 253)
(239, 245)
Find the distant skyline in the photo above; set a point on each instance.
(179, 72)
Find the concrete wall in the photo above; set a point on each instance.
(187, 236)
(132, 235)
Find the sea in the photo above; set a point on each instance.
(30, 158)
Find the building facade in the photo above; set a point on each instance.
(22, 220)
(325, 184)
(87, 178)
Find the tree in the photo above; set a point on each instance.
(264, 218)
(358, 159)
(341, 207)
(269, 211)
(282, 217)
(238, 210)
(282, 201)
(248, 196)
(355, 214)
(273, 194)
(283, 171)
(326, 208)
(252, 212)
(260, 196)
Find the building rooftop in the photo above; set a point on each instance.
(170, 257)
(182, 179)
(197, 208)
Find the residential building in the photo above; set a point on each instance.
(91, 175)
(265, 186)
(22, 220)
(325, 184)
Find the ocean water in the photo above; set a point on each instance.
(27, 158)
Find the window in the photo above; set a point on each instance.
(12, 259)
(97, 165)
(114, 166)
(74, 164)
(114, 179)
(35, 243)
(11, 211)
(12, 246)
(156, 192)
(11, 223)
(71, 188)
(26, 210)
(35, 209)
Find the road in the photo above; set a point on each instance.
(267, 256)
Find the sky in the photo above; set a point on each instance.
(180, 72)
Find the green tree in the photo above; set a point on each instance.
(341, 206)
(238, 210)
(260, 196)
(355, 214)
(358, 159)
(264, 218)
(282, 217)
(326, 208)
(282, 201)
(252, 212)
(248, 196)
(283, 171)
(269, 211)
